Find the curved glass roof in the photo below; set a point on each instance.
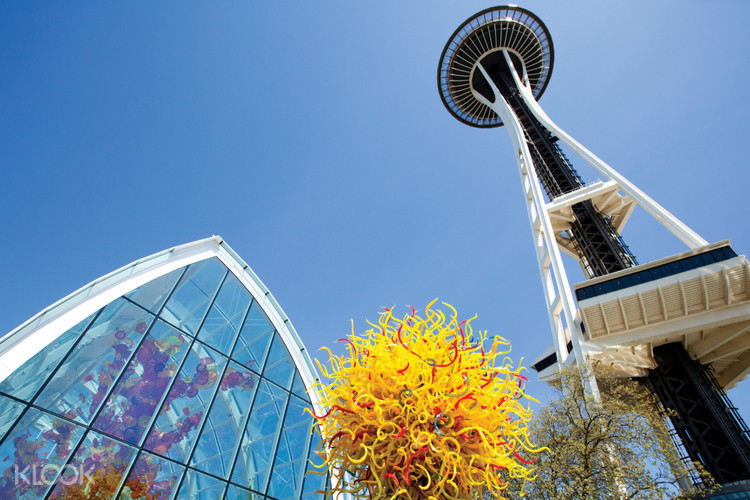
(185, 386)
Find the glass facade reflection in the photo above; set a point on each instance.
(180, 388)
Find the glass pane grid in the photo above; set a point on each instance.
(198, 485)
(152, 477)
(194, 294)
(99, 462)
(41, 441)
(85, 378)
(122, 364)
(254, 339)
(129, 408)
(289, 466)
(316, 478)
(274, 405)
(225, 420)
(187, 403)
(279, 366)
(25, 382)
(153, 294)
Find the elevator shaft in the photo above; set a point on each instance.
(599, 246)
(710, 429)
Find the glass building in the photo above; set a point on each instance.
(178, 376)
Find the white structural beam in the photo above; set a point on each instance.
(677, 227)
(606, 198)
(559, 297)
(582, 194)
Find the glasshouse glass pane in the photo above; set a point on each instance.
(9, 412)
(128, 411)
(255, 337)
(84, 379)
(190, 300)
(315, 477)
(99, 465)
(291, 453)
(26, 380)
(189, 398)
(313, 486)
(298, 387)
(152, 295)
(197, 485)
(36, 454)
(279, 367)
(152, 478)
(260, 436)
(222, 432)
(237, 493)
(225, 316)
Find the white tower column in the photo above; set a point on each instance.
(561, 307)
(662, 215)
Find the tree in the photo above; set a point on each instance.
(617, 448)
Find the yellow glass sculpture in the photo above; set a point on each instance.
(419, 409)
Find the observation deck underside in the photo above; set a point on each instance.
(699, 298)
(491, 30)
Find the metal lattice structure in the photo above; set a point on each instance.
(699, 403)
(657, 318)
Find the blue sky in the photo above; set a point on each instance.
(311, 137)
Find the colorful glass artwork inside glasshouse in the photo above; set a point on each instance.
(181, 389)
(419, 409)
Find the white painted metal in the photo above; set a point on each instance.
(559, 297)
(606, 198)
(677, 227)
(582, 194)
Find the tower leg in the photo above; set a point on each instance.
(664, 217)
(710, 429)
(561, 307)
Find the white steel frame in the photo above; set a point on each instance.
(563, 314)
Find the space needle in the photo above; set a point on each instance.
(682, 323)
